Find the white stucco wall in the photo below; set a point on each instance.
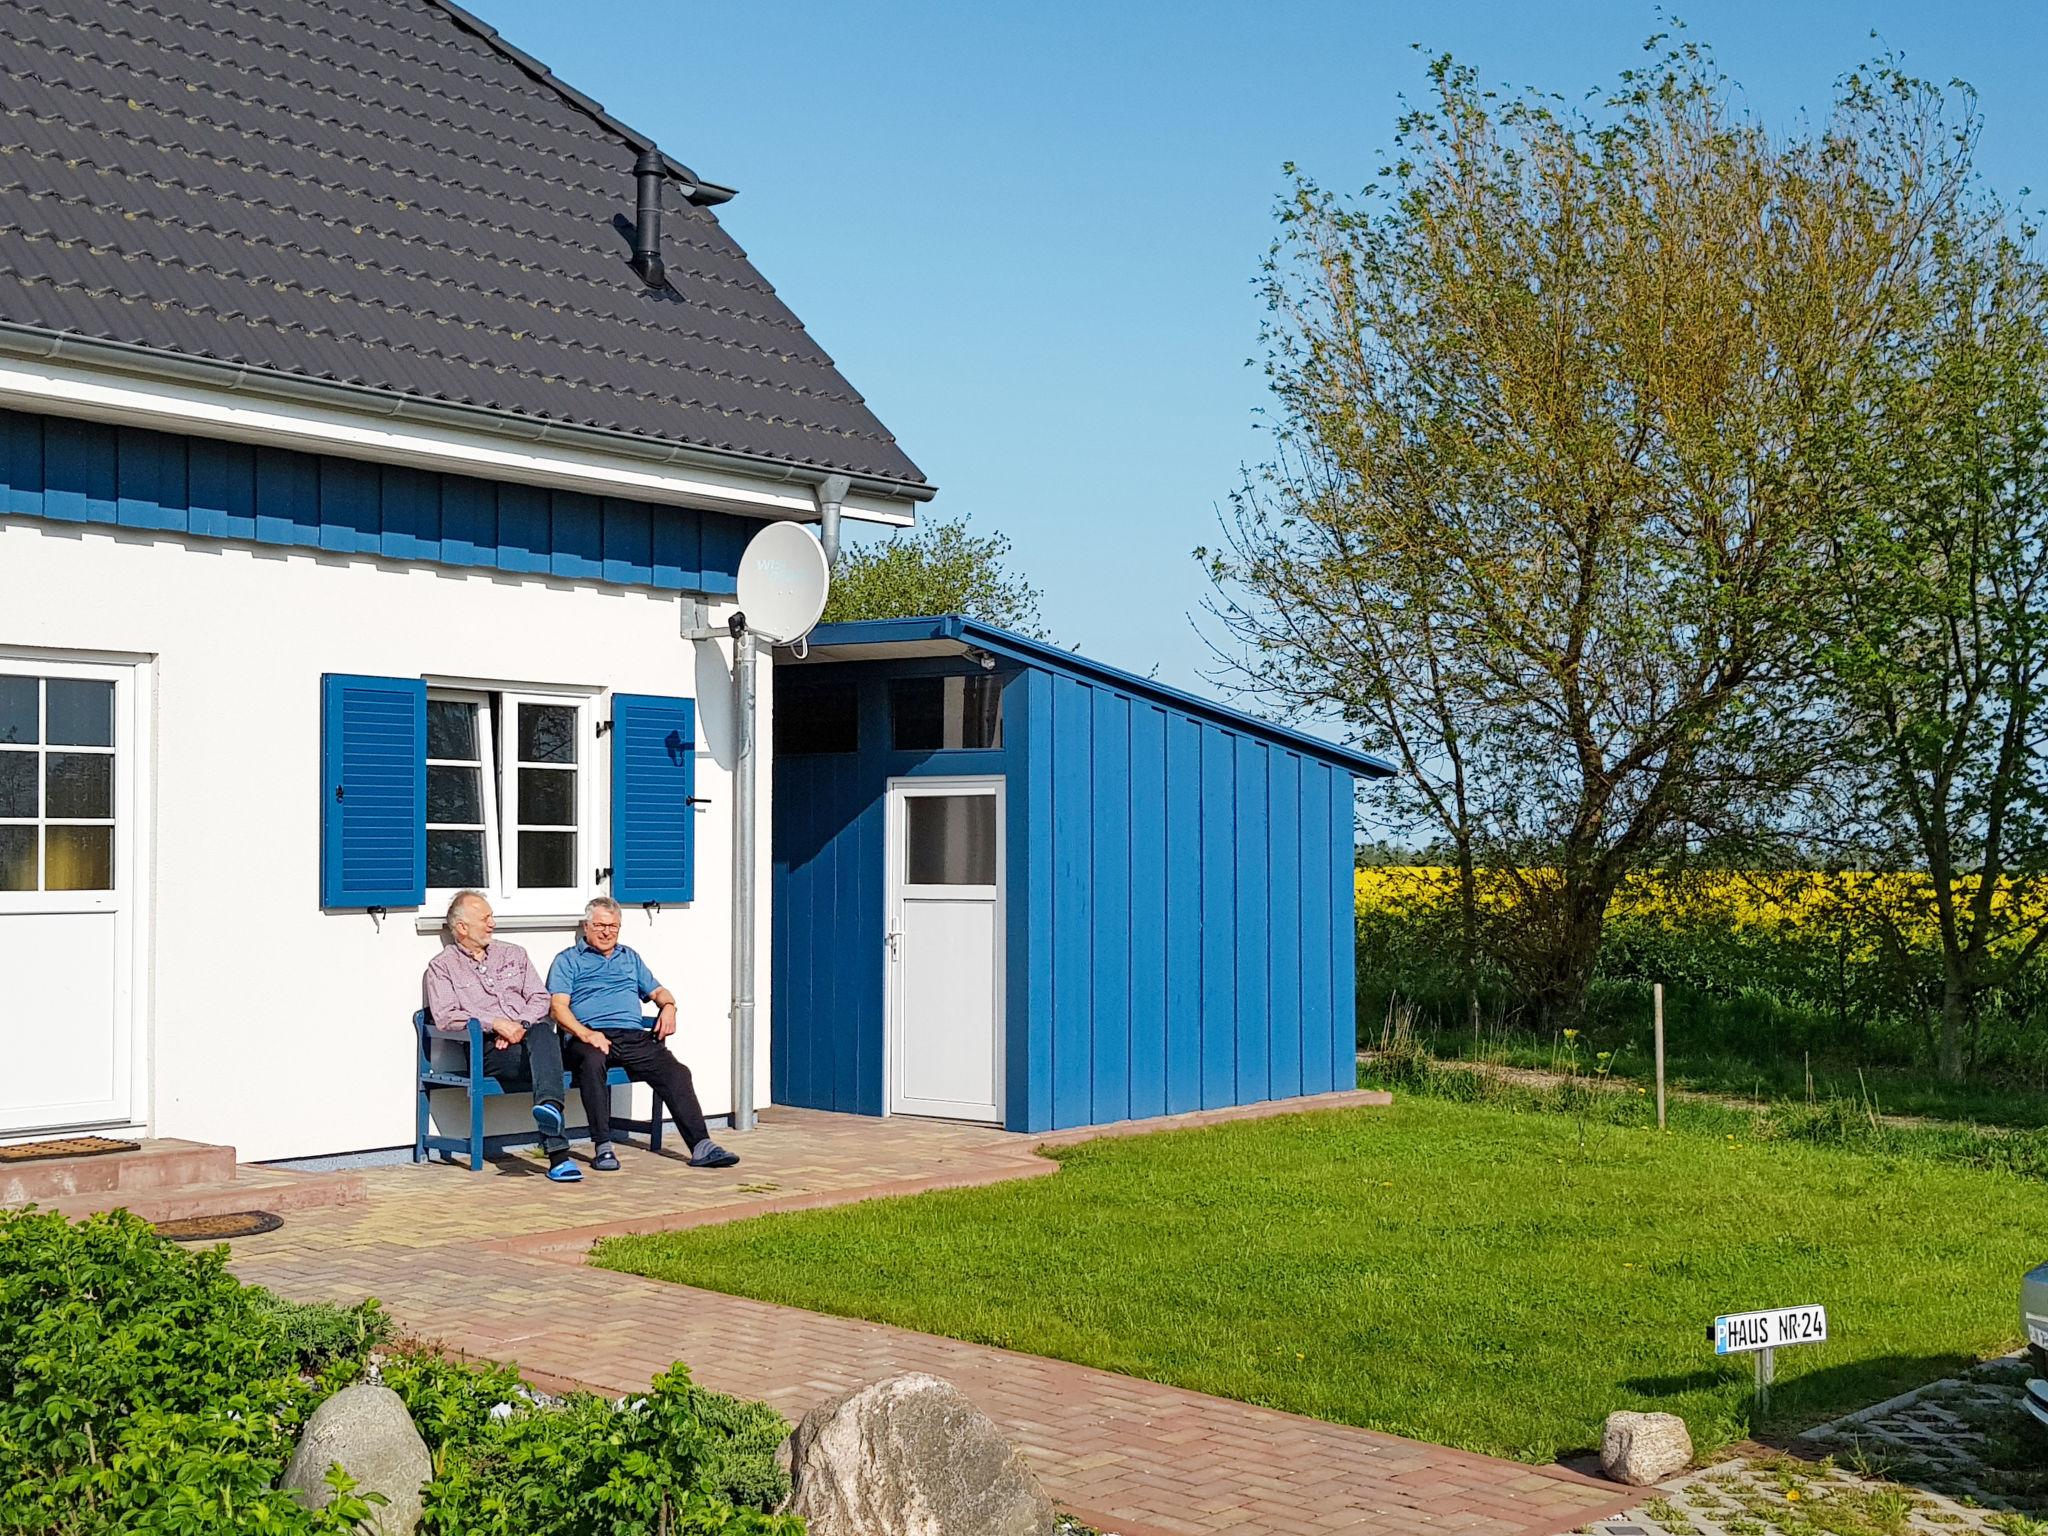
(267, 1023)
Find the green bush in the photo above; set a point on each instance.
(145, 1391)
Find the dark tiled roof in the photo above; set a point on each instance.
(378, 193)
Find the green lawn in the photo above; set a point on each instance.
(1468, 1274)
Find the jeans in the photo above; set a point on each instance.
(535, 1061)
(646, 1060)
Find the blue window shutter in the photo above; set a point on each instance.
(654, 774)
(373, 791)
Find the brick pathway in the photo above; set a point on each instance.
(490, 1264)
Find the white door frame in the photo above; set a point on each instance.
(899, 790)
(134, 759)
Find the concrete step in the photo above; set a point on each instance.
(248, 1189)
(155, 1165)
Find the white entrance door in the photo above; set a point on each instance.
(68, 763)
(945, 947)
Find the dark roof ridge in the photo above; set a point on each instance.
(703, 193)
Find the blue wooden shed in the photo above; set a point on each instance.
(1014, 885)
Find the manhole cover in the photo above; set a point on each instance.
(214, 1229)
(65, 1146)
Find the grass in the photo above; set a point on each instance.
(1480, 1275)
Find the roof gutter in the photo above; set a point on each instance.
(123, 357)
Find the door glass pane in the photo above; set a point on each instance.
(81, 714)
(454, 858)
(547, 860)
(18, 784)
(547, 797)
(78, 858)
(18, 711)
(454, 794)
(949, 839)
(547, 733)
(451, 729)
(17, 858)
(81, 784)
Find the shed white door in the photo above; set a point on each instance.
(67, 893)
(945, 961)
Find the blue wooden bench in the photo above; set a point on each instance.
(479, 1087)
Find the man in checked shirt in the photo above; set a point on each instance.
(495, 984)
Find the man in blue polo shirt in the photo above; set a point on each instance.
(596, 987)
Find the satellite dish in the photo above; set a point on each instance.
(783, 581)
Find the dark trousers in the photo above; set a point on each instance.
(536, 1063)
(646, 1060)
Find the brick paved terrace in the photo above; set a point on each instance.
(491, 1264)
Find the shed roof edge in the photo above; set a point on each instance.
(1047, 657)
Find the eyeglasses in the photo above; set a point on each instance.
(602, 927)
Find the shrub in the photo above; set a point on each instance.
(145, 1391)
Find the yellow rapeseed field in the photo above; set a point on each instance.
(1766, 901)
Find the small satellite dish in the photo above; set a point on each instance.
(783, 581)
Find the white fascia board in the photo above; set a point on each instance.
(172, 406)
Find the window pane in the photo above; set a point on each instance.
(947, 714)
(17, 858)
(451, 729)
(17, 784)
(18, 710)
(454, 859)
(949, 839)
(812, 717)
(81, 715)
(455, 794)
(81, 783)
(547, 860)
(78, 858)
(547, 733)
(547, 797)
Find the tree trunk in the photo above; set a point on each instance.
(1568, 953)
(1955, 1013)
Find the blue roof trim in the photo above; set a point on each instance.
(1050, 658)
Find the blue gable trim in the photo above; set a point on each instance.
(88, 472)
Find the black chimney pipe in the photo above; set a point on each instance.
(649, 170)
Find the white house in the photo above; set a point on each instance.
(372, 439)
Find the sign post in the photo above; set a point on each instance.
(1657, 994)
(1763, 1334)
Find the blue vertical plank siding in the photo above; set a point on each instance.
(1219, 917)
(1109, 894)
(1151, 899)
(1318, 851)
(1027, 1081)
(1284, 1019)
(88, 472)
(1344, 934)
(1184, 959)
(1072, 831)
(1253, 923)
(1177, 925)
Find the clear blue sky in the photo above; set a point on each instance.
(1028, 232)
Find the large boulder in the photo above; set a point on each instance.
(1643, 1448)
(911, 1456)
(367, 1430)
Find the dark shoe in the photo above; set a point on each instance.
(548, 1117)
(562, 1171)
(606, 1161)
(709, 1154)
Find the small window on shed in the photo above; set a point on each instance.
(815, 717)
(947, 714)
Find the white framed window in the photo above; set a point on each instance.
(511, 796)
(57, 782)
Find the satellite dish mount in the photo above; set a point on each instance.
(784, 578)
